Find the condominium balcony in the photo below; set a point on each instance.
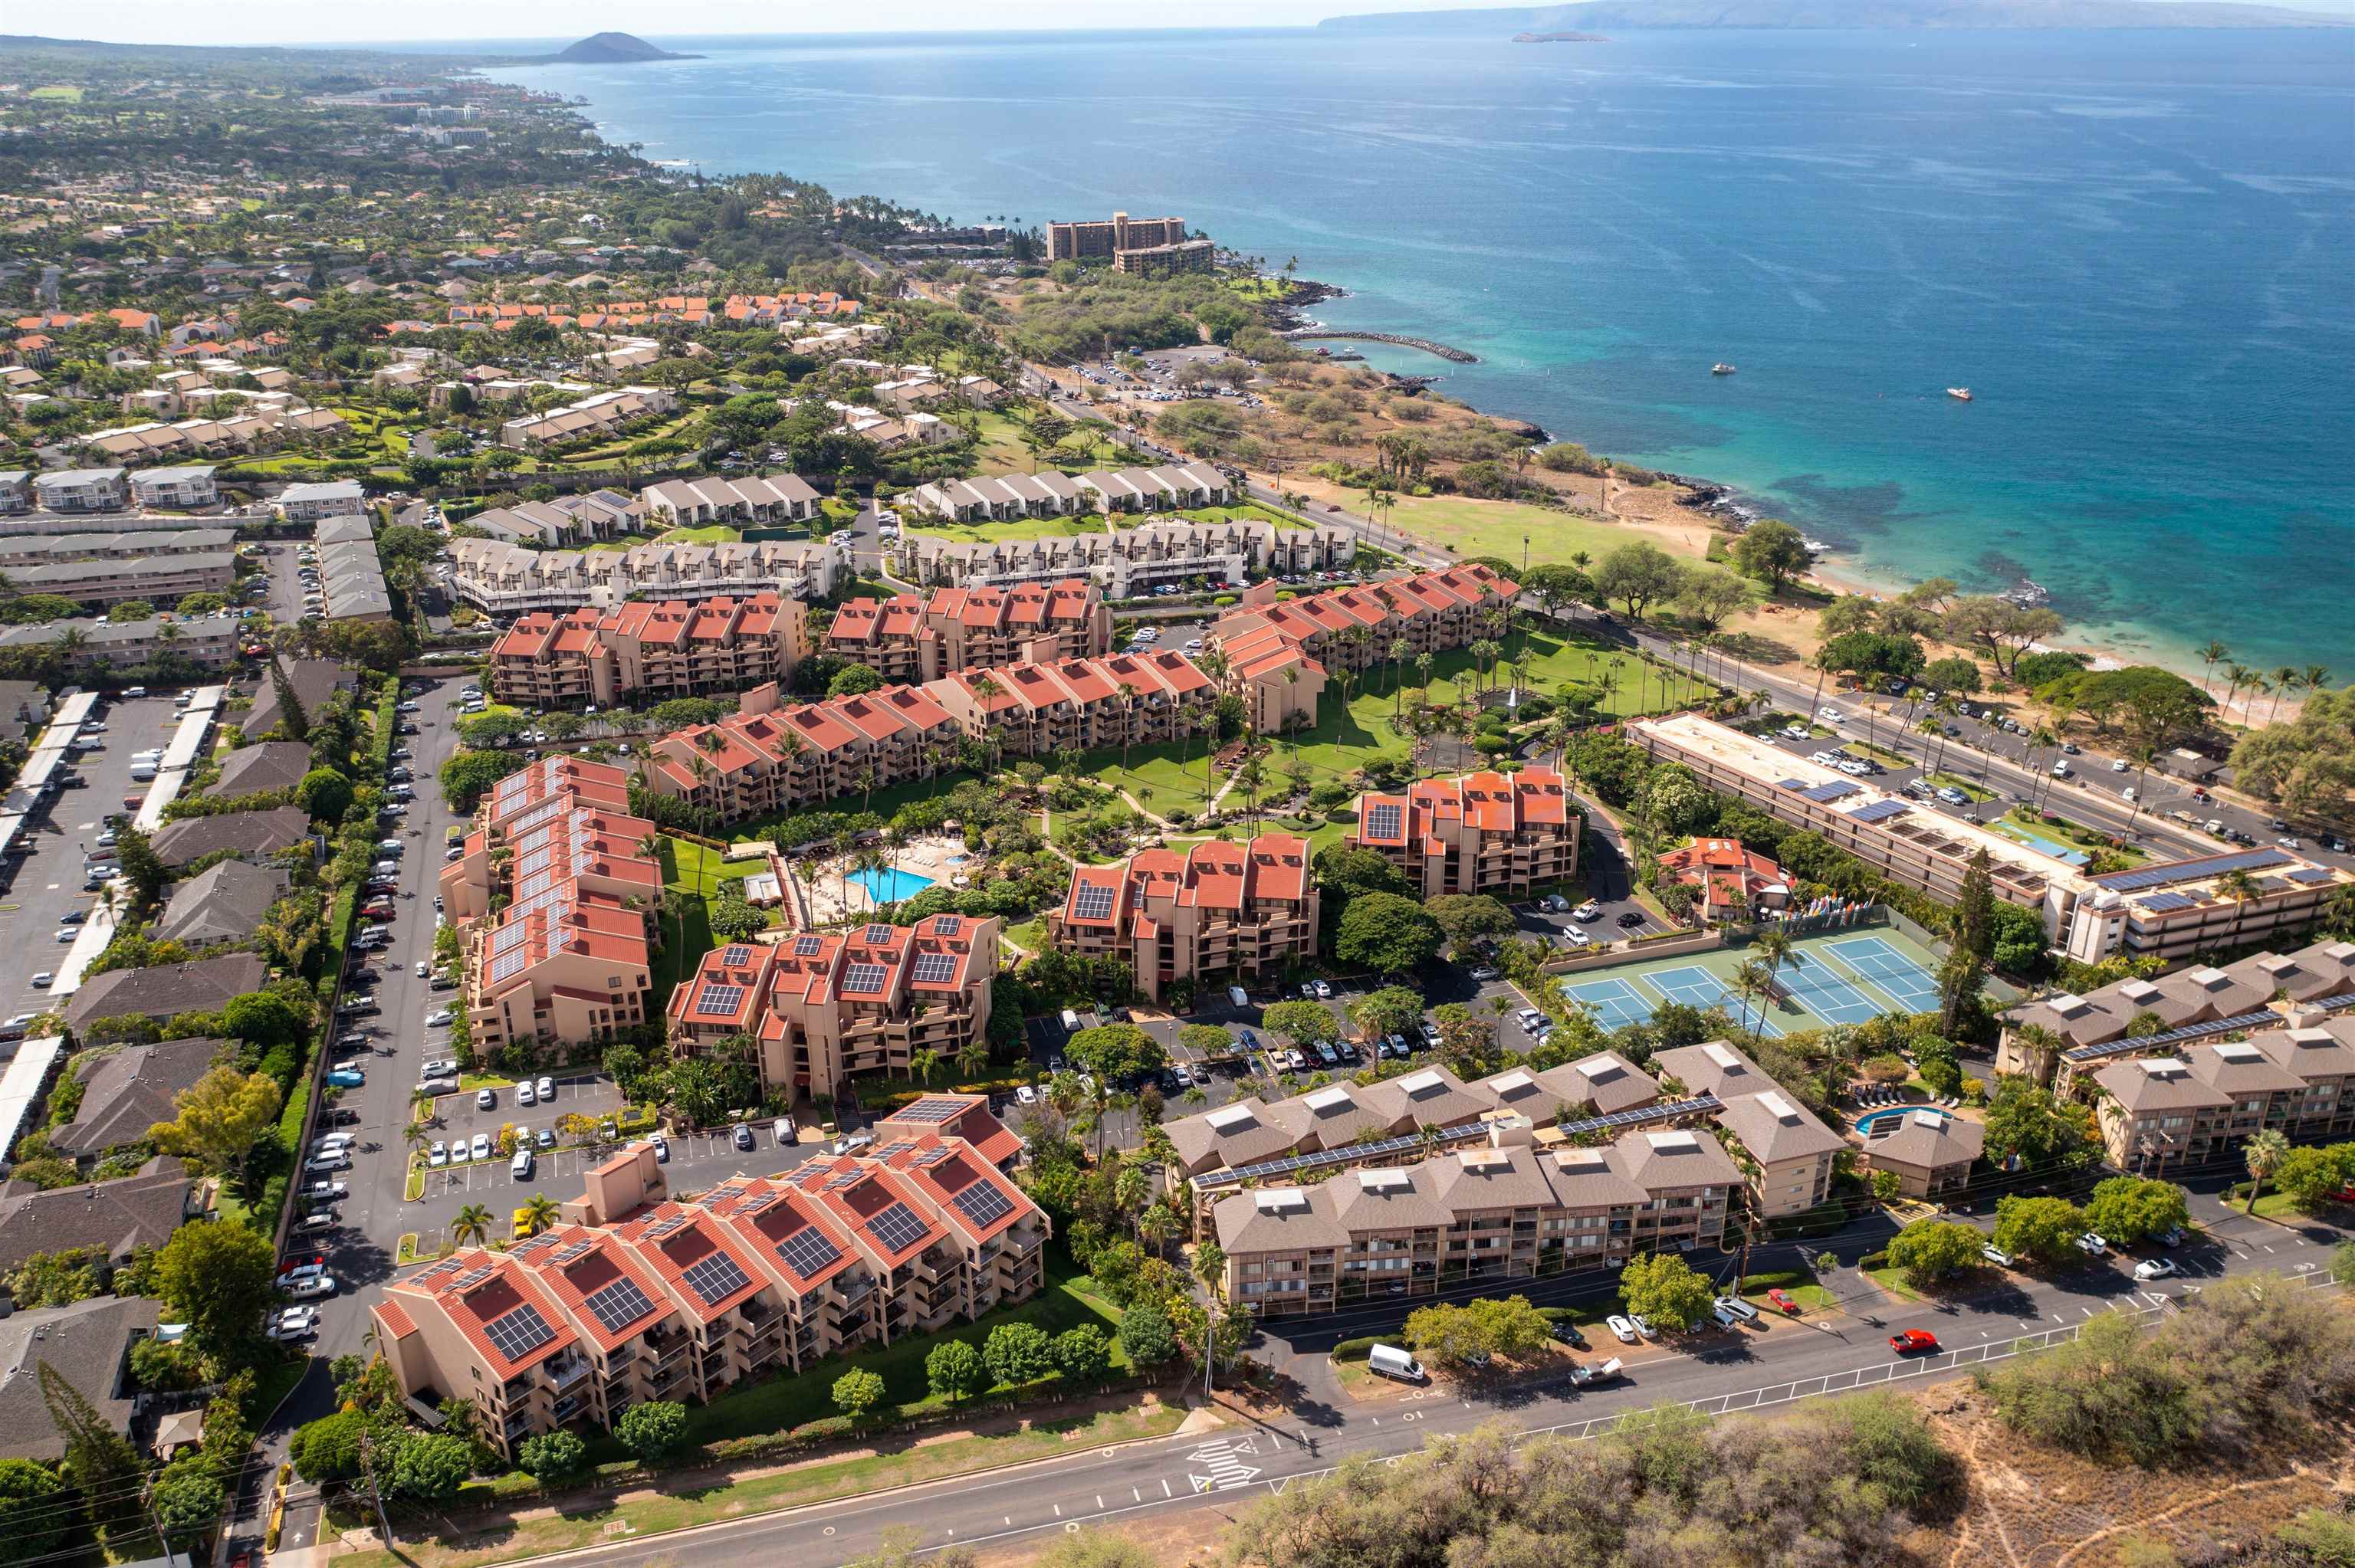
(564, 1370)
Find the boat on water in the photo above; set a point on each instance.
(1961, 394)
(1721, 368)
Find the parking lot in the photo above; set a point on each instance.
(284, 600)
(45, 886)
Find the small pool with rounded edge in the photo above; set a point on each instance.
(891, 886)
(1893, 1114)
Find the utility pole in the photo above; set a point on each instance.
(147, 1502)
(367, 1469)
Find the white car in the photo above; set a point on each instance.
(525, 1094)
(2156, 1268)
(294, 1323)
(312, 1289)
(547, 1090)
(444, 1068)
(2094, 1246)
(1587, 912)
(1024, 1094)
(311, 1225)
(1995, 1255)
(458, 1153)
(487, 1100)
(1623, 1327)
(424, 968)
(439, 1155)
(1576, 937)
(482, 1148)
(438, 1017)
(1643, 1324)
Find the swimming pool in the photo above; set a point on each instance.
(2059, 851)
(891, 887)
(1893, 1114)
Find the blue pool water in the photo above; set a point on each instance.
(1864, 1123)
(891, 886)
(2060, 851)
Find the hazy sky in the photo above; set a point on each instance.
(301, 21)
(307, 21)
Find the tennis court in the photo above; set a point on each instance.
(1825, 991)
(1887, 969)
(1617, 1002)
(1696, 987)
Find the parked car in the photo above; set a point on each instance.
(439, 1155)
(1997, 1257)
(1567, 1332)
(311, 1289)
(487, 1100)
(525, 1094)
(546, 1087)
(742, 1137)
(346, 1078)
(481, 1148)
(443, 1068)
(2094, 1246)
(1624, 1328)
(1782, 1302)
(2156, 1268)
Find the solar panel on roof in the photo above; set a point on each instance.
(808, 947)
(662, 1228)
(1877, 811)
(843, 1179)
(1092, 902)
(864, 977)
(1790, 783)
(2160, 903)
(725, 999)
(899, 1146)
(878, 935)
(807, 1251)
(926, 1159)
(618, 1305)
(2176, 1036)
(946, 925)
(936, 969)
(571, 1250)
(1382, 821)
(506, 937)
(735, 957)
(714, 1278)
(517, 1334)
(1834, 790)
(983, 1204)
(509, 964)
(2159, 875)
(2309, 874)
(897, 1228)
(932, 1108)
(471, 1278)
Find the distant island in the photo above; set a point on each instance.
(1560, 39)
(1536, 24)
(614, 49)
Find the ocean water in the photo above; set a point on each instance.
(2137, 248)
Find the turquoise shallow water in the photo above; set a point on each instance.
(2136, 247)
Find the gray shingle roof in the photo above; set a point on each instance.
(130, 1089)
(165, 990)
(248, 832)
(223, 904)
(112, 1217)
(270, 765)
(87, 1343)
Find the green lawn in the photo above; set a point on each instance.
(63, 94)
(715, 534)
(1798, 1285)
(786, 1402)
(1957, 781)
(692, 873)
(1499, 527)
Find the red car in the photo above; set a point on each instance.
(1782, 1302)
(1913, 1341)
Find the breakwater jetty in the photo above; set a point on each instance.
(1302, 335)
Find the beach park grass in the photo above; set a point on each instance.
(1497, 528)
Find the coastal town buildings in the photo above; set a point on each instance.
(1729, 882)
(998, 498)
(1215, 913)
(1482, 832)
(567, 520)
(554, 898)
(777, 754)
(351, 573)
(598, 414)
(911, 639)
(1081, 240)
(504, 579)
(768, 501)
(824, 1007)
(637, 1294)
(1124, 562)
(2168, 910)
(643, 649)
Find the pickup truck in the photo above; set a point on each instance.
(1912, 1341)
(1587, 1374)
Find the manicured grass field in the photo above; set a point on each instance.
(1497, 527)
(716, 534)
(691, 873)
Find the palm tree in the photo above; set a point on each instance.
(2040, 1051)
(2315, 678)
(923, 1064)
(2043, 738)
(1773, 947)
(1400, 650)
(471, 1226)
(2286, 680)
(2238, 886)
(2143, 756)
(539, 1211)
(1484, 654)
(2209, 656)
(1753, 981)
(2264, 1153)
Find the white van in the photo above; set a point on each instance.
(520, 1166)
(1239, 996)
(1391, 1362)
(1070, 1022)
(141, 772)
(152, 755)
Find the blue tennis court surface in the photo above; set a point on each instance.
(1617, 1002)
(1825, 991)
(1886, 969)
(1696, 986)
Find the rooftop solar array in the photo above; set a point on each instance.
(662, 1228)
(571, 1250)
(877, 936)
(807, 1251)
(714, 1278)
(936, 969)
(1092, 901)
(897, 1228)
(931, 1108)
(896, 1146)
(1877, 811)
(808, 947)
(946, 925)
(618, 1305)
(926, 1159)
(1382, 821)
(1836, 790)
(2179, 871)
(517, 1334)
(736, 956)
(471, 1278)
(722, 999)
(2310, 874)
(1699, 1104)
(2173, 1036)
(2162, 902)
(983, 1204)
(1363, 1154)
(864, 977)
